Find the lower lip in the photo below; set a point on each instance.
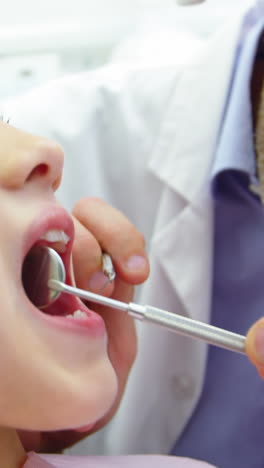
(93, 325)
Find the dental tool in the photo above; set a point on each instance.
(49, 283)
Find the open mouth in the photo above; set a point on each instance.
(36, 273)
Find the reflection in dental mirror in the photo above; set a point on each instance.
(41, 264)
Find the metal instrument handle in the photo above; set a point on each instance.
(173, 322)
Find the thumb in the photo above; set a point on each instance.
(255, 346)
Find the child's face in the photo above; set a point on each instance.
(54, 371)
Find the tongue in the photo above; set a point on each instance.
(64, 305)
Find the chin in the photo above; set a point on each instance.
(81, 404)
(92, 402)
(80, 400)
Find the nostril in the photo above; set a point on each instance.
(38, 171)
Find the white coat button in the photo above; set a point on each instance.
(182, 387)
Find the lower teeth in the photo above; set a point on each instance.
(77, 314)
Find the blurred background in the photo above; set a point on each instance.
(41, 40)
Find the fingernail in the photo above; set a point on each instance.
(259, 344)
(136, 262)
(97, 281)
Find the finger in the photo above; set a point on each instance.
(255, 346)
(122, 342)
(87, 262)
(120, 327)
(117, 236)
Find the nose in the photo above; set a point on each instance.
(25, 158)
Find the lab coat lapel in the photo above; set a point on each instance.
(184, 249)
(182, 160)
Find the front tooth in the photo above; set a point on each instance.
(55, 235)
(79, 314)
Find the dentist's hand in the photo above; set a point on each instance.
(101, 228)
(255, 346)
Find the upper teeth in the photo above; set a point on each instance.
(57, 238)
(55, 235)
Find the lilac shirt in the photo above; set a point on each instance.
(227, 427)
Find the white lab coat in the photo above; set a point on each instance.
(144, 138)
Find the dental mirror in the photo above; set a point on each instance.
(41, 264)
(43, 277)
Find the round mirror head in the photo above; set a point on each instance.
(41, 264)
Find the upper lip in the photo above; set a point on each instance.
(51, 217)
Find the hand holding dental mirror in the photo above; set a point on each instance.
(44, 280)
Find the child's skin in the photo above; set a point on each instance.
(56, 376)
